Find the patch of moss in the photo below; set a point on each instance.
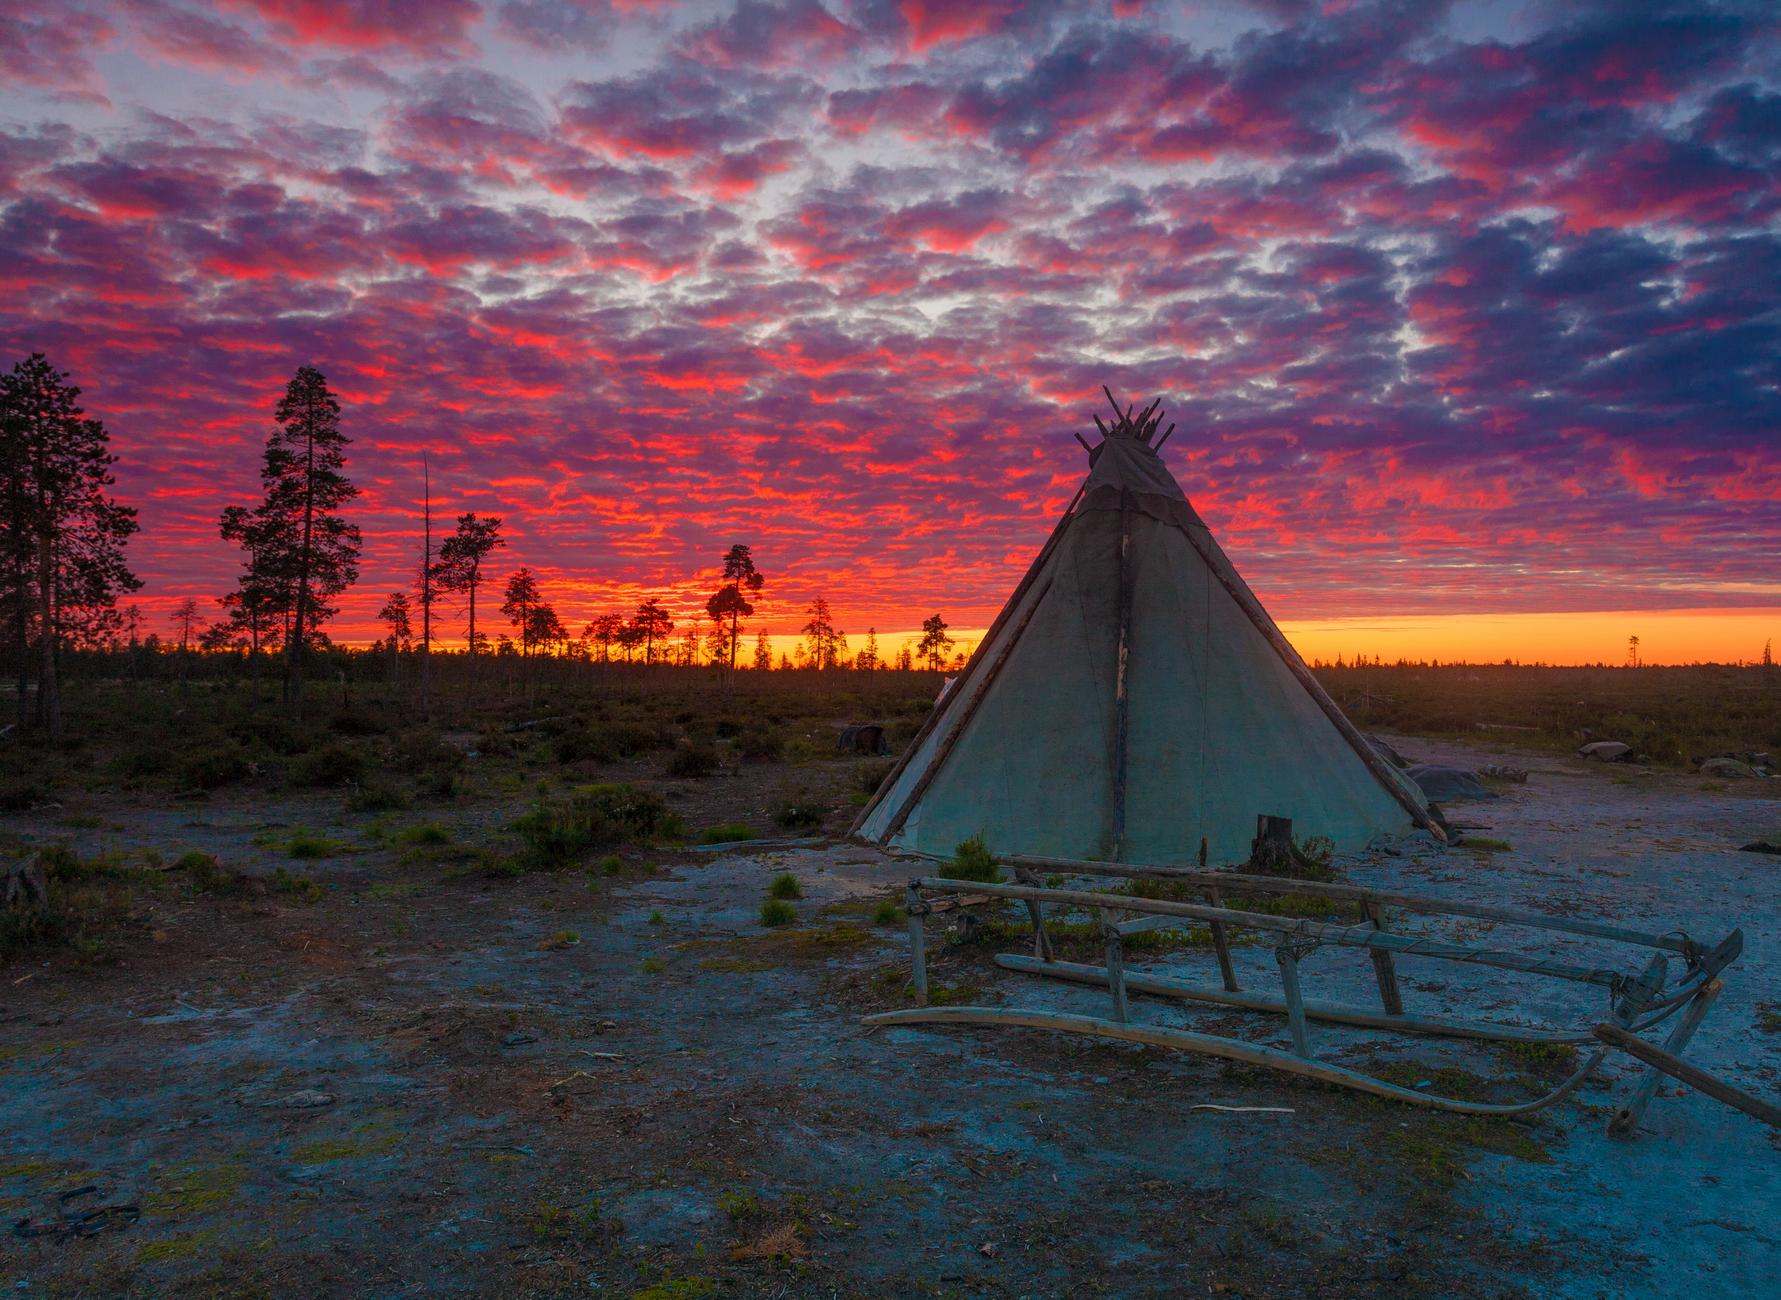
(324, 1151)
(697, 1287)
(194, 1189)
(735, 965)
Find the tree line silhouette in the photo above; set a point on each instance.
(62, 539)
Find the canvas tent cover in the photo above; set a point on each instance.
(1038, 748)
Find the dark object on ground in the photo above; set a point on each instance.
(1447, 783)
(1763, 846)
(1606, 751)
(1728, 767)
(79, 1221)
(26, 884)
(1497, 772)
(302, 1099)
(1387, 751)
(863, 738)
(1271, 851)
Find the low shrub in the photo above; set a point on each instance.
(730, 833)
(871, 776)
(799, 814)
(299, 888)
(211, 769)
(279, 735)
(378, 795)
(357, 724)
(888, 913)
(557, 831)
(23, 795)
(207, 875)
(785, 885)
(425, 833)
(972, 861)
(760, 745)
(142, 762)
(330, 765)
(693, 761)
(776, 912)
(416, 750)
(583, 745)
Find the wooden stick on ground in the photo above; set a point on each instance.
(1692, 1075)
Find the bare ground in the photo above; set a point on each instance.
(623, 1084)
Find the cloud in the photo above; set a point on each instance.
(1448, 318)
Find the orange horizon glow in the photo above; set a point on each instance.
(1561, 640)
(1667, 637)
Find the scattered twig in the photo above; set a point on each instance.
(1245, 1110)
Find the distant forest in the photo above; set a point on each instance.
(62, 548)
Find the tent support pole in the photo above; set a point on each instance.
(1119, 680)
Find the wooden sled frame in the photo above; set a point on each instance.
(1637, 1000)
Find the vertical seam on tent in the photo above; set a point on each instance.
(1120, 703)
(1205, 675)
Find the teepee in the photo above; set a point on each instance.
(1133, 698)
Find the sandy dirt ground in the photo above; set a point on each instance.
(622, 1084)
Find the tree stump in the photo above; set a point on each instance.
(1272, 853)
(26, 884)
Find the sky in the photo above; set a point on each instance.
(1468, 314)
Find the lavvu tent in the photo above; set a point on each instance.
(1132, 699)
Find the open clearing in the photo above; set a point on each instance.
(613, 1079)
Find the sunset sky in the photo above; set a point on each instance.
(1469, 315)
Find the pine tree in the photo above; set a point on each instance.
(763, 652)
(605, 632)
(868, 656)
(185, 618)
(300, 552)
(61, 535)
(651, 623)
(824, 641)
(397, 616)
(518, 602)
(934, 645)
(729, 602)
(459, 569)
